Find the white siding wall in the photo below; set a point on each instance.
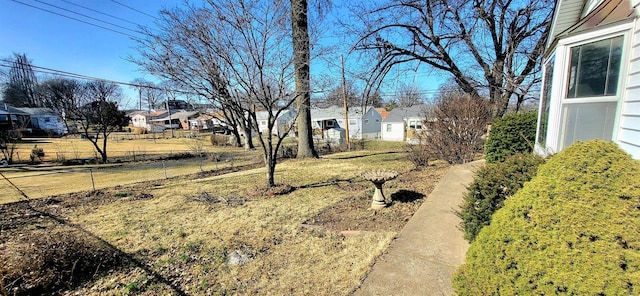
(395, 134)
(628, 134)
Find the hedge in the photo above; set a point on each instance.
(492, 185)
(573, 230)
(511, 134)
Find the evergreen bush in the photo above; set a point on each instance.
(572, 230)
(511, 134)
(492, 185)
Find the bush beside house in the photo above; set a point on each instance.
(572, 230)
(492, 185)
(511, 134)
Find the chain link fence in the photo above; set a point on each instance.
(42, 181)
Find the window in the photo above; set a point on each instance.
(352, 122)
(388, 127)
(412, 124)
(366, 121)
(329, 123)
(545, 102)
(263, 122)
(595, 68)
(588, 121)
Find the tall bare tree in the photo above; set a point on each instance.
(301, 55)
(490, 47)
(234, 53)
(409, 95)
(148, 93)
(22, 87)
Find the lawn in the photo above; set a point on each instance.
(205, 235)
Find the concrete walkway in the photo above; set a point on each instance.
(426, 253)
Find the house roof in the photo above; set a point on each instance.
(178, 115)
(401, 113)
(6, 109)
(335, 112)
(383, 112)
(37, 111)
(263, 115)
(571, 16)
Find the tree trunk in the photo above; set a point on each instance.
(299, 28)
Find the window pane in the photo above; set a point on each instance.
(588, 121)
(546, 101)
(594, 68)
(614, 66)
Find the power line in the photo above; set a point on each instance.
(46, 70)
(136, 10)
(75, 19)
(100, 12)
(87, 16)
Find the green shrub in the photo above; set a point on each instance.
(573, 230)
(490, 188)
(511, 134)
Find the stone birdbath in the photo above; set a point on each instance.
(378, 178)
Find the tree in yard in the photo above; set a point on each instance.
(98, 115)
(409, 95)
(301, 61)
(61, 95)
(490, 47)
(148, 92)
(22, 87)
(234, 53)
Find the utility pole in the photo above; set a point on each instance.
(346, 108)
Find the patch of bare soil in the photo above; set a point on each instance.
(404, 196)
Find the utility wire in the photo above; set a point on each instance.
(100, 12)
(87, 16)
(136, 10)
(75, 19)
(86, 77)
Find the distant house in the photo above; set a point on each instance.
(591, 76)
(207, 122)
(283, 123)
(45, 121)
(143, 119)
(403, 123)
(173, 120)
(362, 125)
(13, 119)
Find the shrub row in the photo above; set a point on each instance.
(511, 134)
(572, 230)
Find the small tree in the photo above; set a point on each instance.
(458, 122)
(8, 144)
(99, 116)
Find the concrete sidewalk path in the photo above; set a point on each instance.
(426, 253)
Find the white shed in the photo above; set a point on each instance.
(591, 78)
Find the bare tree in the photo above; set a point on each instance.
(148, 92)
(61, 95)
(98, 115)
(409, 95)
(488, 46)
(21, 89)
(234, 53)
(301, 54)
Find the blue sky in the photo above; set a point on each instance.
(53, 41)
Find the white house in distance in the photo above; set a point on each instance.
(591, 82)
(362, 125)
(285, 121)
(45, 120)
(402, 123)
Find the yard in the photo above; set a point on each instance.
(215, 233)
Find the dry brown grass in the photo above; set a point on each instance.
(186, 241)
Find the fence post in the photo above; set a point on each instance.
(164, 168)
(93, 184)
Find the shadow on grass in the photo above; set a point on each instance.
(365, 155)
(62, 260)
(406, 196)
(330, 182)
